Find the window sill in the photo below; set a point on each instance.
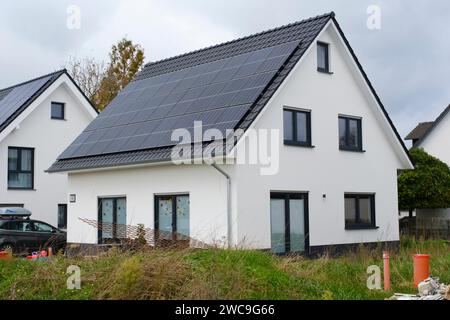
(298, 144)
(59, 119)
(325, 71)
(353, 228)
(352, 150)
(21, 189)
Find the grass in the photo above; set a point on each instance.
(218, 274)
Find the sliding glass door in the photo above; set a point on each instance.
(172, 217)
(112, 217)
(289, 222)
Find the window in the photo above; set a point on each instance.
(297, 127)
(112, 216)
(57, 112)
(289, 222)
(62, 216)
(359, 211)
(20, 168)
(323, 59)
(172, 217)
(42, 227)
(22, 226)
(350, 134)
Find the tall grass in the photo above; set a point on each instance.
(218, 274)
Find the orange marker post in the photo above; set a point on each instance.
(387, 271)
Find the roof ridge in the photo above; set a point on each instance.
(35, 79)
(329, 14)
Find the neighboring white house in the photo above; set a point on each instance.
(434, 138)
(38, 119)
(332, 176)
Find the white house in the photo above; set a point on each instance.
(38, 119)
(433, 137)
(330, 181)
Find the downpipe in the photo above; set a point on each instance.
(229, 217)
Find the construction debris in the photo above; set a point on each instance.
(429, 289)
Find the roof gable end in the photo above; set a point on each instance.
(432, 127)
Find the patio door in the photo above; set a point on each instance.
(112, 218)
(289, 222)
(172, 217)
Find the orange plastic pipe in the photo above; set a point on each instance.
(387, 271)
(421, 268)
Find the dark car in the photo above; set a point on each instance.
(20, 234)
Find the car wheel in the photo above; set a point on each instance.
(7, 247)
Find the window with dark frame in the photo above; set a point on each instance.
(172, 217)
(359, 211)
(20, 168)
(57, 112)
(297, 127)
(323, 57)
(62, 216)
(350, 134)
(112, 217)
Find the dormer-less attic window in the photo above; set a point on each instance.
(57, 112)
(323, 57)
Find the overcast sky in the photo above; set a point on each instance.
(407, 60)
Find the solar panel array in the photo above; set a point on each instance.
(218, 93)
(12, 99)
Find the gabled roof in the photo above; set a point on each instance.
(426, 131)
(419, 131)
(225, 86)
(14, 100)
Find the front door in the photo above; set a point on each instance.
(289, 222)
(172, 217)
(112, 217)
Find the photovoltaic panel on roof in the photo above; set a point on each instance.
(193, 71)
(217, 93)
(12, 99)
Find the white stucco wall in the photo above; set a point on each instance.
(437, 142)
(49, 138)
(206, 188)
(321, 170)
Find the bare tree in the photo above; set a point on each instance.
(88, 73)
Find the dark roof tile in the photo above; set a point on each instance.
(287, 44)
(430, 129)
(419, 131)
(235, 79)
